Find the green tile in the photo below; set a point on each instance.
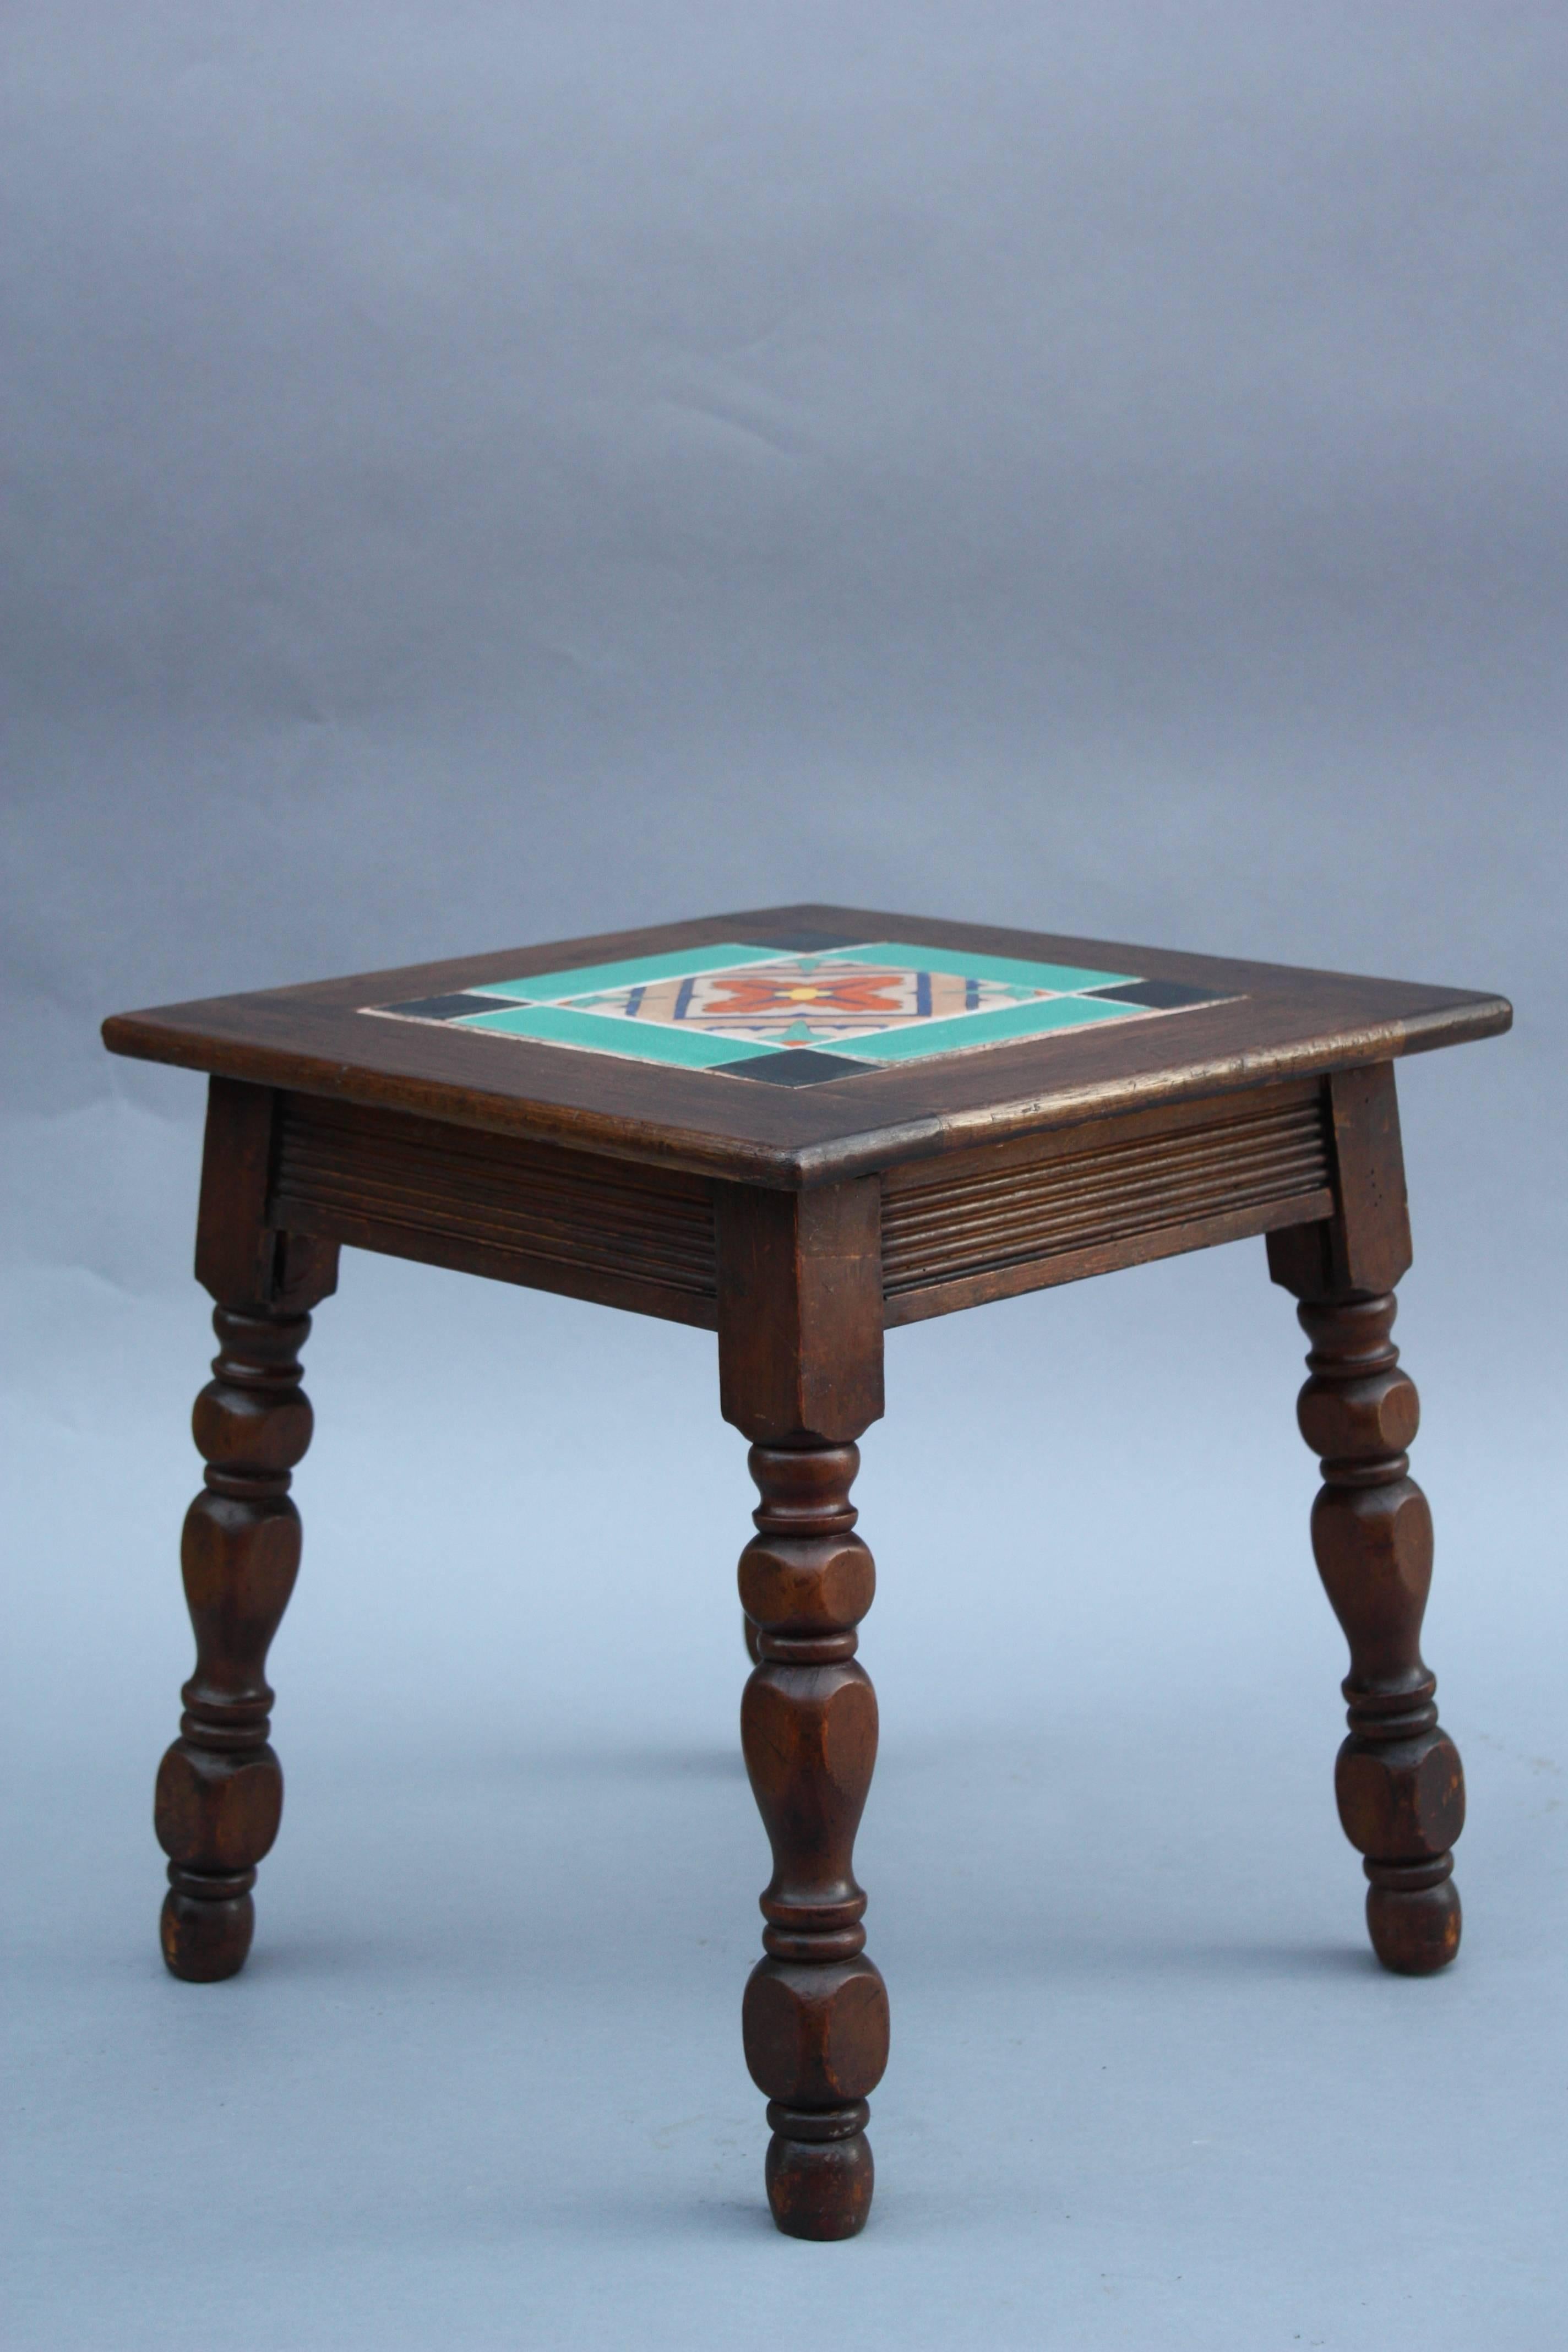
(546, 987)
(1012, 1023)
(606, 1033)
(966, 965)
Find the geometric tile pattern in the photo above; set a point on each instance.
(799, 1014)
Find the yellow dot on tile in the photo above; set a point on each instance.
(796, 995)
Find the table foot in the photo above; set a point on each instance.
(819, 2172)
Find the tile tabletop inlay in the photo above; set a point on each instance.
(743, 1011)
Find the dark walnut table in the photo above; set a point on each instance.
(800, 1128)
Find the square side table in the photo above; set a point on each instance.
(799, 1127)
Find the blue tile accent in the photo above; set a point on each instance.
(1014, 1022)
(964, 965)
(609, 1033)
(548, 987)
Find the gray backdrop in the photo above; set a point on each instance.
(477, 473)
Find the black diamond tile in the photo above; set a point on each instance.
(808, 942)
(447, 1008)
(797, 1065)
(1154, 995)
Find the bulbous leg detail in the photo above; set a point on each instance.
(220, 1787)
(1399, 1782)
(815, 2020)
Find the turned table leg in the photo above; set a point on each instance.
(815, 2020)
(220, 1787)
(800, 1358)
(1399, 1782)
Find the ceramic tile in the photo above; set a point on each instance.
(806, 1000)
(1057, 978)
(1156, 996)
(551, 987)
(1004, 1027)
(801, 1067)
(443, 1008)
(559, 1025)
(807, 941)
(800, 1013)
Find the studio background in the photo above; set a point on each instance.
(478, 475)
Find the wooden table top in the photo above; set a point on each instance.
(793, 1045)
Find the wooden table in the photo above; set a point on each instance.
(800, 1128)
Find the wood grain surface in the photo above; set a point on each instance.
(1277, 1022)
(976, 1226)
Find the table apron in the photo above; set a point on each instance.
(1118, 1191)
(614, 1230)
(980, 1224)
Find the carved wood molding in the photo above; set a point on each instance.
(577, 1222)
(1115, 1193)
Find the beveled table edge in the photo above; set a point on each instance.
(178, 1035)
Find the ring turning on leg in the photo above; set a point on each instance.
(1399, 1782)
(220, 1787)
(816, 2014)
